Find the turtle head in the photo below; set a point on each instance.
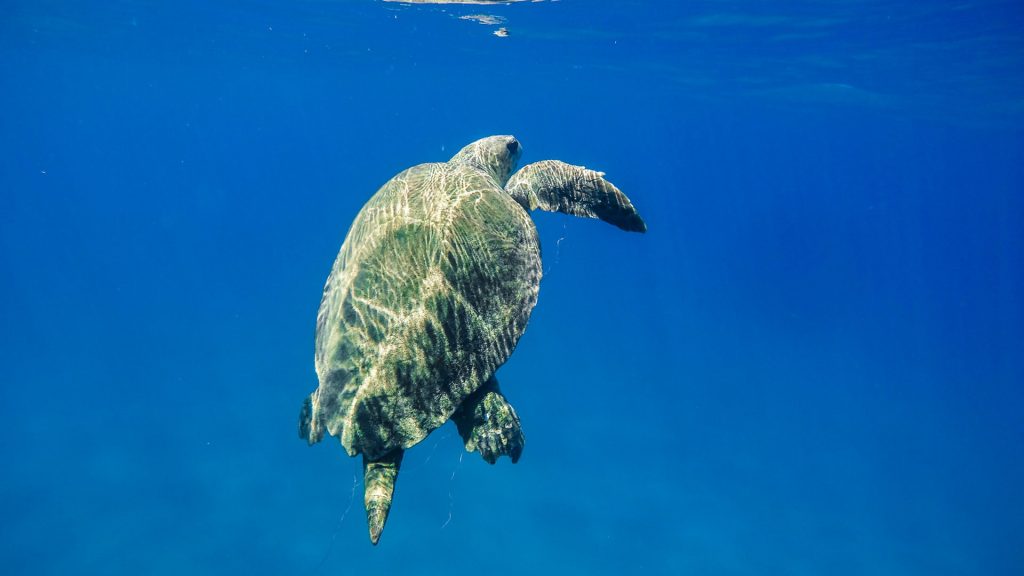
(496, 155)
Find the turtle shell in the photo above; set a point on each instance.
(428, 296)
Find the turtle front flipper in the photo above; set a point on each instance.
(489, 424)
(379, 478)
(555, 186)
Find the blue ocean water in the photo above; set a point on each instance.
(811, 364)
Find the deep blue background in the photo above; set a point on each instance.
(813, 362)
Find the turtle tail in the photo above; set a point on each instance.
(310, 428)
(379, 479)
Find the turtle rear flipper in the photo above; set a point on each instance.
(555, 186)
(489, 424)
(310, 428)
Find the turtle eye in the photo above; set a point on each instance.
(513, 147)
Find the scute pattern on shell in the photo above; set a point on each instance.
(429, 295)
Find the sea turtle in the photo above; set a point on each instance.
(428, 296)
